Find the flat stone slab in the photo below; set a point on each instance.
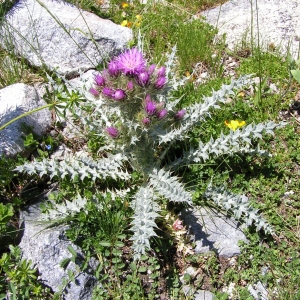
(59, 35)
(213, 231)
(279, 23)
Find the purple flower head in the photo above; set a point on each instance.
(112, 131)
(150, 106)
(94, 92)
(113, 68)
(119, 95)
(160, 82)
(151, 69)
(146, 121)
(108, 92)
(161, 72)
(100, 81)
(179, 115)
(161, 114)
(130, 85)
(132, 62)
(143, 79)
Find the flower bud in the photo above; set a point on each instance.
(143, 79)
(100, 81)
(130, 85)
(146, 121)
(161, 72)
(160, 82)
(108, 92)
(151, 69)
(112, 131)
(94, 92)
(119, 95)
(179, 115)
(150, 106)
(177, 225)
(161, 114)
(113, 68)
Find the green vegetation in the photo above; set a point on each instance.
(271, 183)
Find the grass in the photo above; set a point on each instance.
(272, 183)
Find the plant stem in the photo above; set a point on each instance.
(26, 114)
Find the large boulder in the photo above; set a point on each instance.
(279, 23)
(16, 100)
(58, 35)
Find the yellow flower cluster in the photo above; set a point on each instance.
(234, 124)
(127, 23)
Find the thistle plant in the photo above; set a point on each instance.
(134, 111)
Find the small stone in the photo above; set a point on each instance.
(204, 295)
(258, 291)
(232, 64)
(213, 231)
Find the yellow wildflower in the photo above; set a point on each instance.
(138, 17)
(124, 4)
(234, 124)
(124, 23)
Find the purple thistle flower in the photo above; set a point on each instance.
(160, 82)
(94, 92)
(151, 69)
(146, 121)
(179, 115)
(130, 85)
(131, 62)
(108, 92)
(112, 131)
(100, 81)
(119, 95)
(143, 79)
(161, 72)
(113, 68)
(161, 114)
(150, 106)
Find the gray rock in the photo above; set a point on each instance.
(258, 291)
(204, 295)
(47, 248)
(278, 20)
(213, 231)
(37, 35)
(15, 100)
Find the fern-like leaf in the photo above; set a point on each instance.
(143, 223)
(78, 166)
(239, 205)
(169, 186)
